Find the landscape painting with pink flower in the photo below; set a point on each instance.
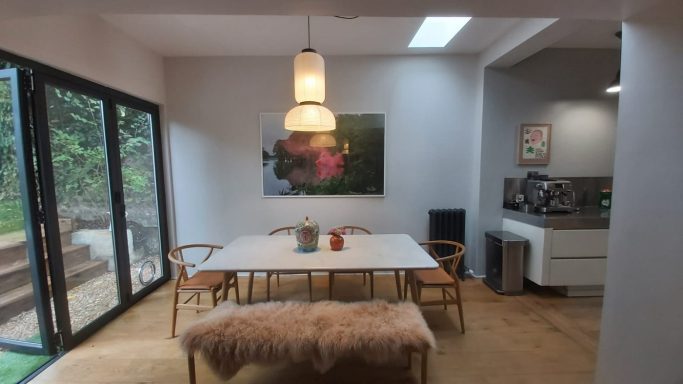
(348, 161)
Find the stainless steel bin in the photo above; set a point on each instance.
(505, 262)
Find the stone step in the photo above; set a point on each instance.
(21, 299)
(15, 252)
(19, 273)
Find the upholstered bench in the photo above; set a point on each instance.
(232, 336)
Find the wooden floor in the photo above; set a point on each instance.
(540, 337)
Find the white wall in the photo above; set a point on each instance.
(641, 338)
(88, 47)
(213, 115)
(564, 87)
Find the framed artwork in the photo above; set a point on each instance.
(348, 161)
(534, 144)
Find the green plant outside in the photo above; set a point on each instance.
(14, 367)
(79, 160)
(11, 216)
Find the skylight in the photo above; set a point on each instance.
(436, 32)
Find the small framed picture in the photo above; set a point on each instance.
(534, 144)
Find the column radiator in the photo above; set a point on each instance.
(448, 224)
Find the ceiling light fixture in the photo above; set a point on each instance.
(309, 92)
(436, 32)
(615, 85)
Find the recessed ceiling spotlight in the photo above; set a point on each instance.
(436, 32)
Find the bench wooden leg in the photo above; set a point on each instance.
(423, 369)
(190, 367)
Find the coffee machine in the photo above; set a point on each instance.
(550, 195)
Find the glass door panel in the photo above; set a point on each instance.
(136, 147)
(81, 180)
(24, 325)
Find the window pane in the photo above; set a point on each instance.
(79, 164)
(139, 188)
(18, 319)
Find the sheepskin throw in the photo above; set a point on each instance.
(232, 336)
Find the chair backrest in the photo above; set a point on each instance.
(352, 229)
(289, 231)
(452, 259)
(177, 257)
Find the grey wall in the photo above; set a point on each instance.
(213, 109)
(564, 87)
(641, 338)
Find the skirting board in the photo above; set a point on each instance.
(581, 291)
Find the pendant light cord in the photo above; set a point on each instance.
(309, 32)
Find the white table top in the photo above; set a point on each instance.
(280, 254)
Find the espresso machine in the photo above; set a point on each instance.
(551, 195)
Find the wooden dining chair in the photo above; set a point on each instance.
(439, 278)
(198, 283)
(356, 230)
(282, 230)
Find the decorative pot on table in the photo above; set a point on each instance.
(307, 233)
(336, 239)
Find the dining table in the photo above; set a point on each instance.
(361, 253)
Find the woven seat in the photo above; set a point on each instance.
(204, 280)
(434, 277)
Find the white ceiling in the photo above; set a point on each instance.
(231, 35)
(250, 35)
(592, 34)
(578, 9)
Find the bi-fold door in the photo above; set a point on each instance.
(88, 161)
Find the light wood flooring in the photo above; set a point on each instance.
(540, 337)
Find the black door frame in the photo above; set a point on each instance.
(29, 201)
(42, 75)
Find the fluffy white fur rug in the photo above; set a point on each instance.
(232, 336)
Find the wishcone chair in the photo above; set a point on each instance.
(198, 283)
(354, 230)
(439, 278)
(288, 231)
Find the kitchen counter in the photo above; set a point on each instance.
(585, 218)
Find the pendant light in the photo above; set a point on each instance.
(322, 140)
(309, 92)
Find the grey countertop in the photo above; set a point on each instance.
(585, 218)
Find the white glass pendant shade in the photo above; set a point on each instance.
(309, 77)
(310, 118)
(324, 140)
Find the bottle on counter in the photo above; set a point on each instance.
(606, 198)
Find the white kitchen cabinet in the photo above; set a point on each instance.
(573, 259)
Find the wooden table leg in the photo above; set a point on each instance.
(250, 289)
(226, 282)
(397, 274)
(330, 283)
(413, 286)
